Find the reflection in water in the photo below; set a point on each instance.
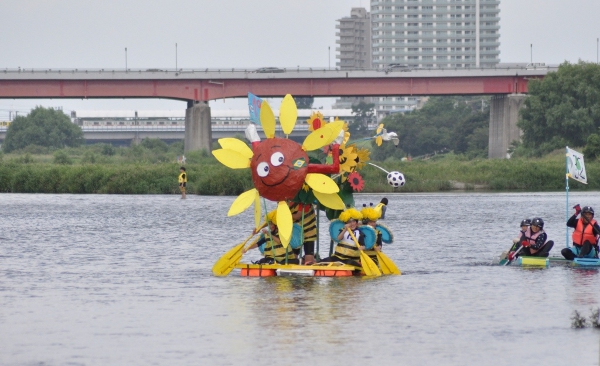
(126, 280)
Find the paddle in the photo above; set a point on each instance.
(367, 263)
(225, 264)
(514, 256)
(388, 267)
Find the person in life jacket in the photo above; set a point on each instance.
(524, 226)
(585, 236)
(346, 250)
(305, 216)
(534, 241)
(182, 181)
(370, 217)
(274, 250)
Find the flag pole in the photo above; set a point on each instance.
(567, 193)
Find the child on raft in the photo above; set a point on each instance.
(346, 250)
(370, 217)
(274, 250)
(524, 226)
(533, 241)
(304, 215)
(585, 236)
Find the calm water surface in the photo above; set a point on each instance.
(126, 280)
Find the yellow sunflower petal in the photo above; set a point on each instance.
(231, 159)
(317, 139)
(331, 200)
(379, 128)
(230, 143)
(267, 119)
(335, 128)
(379, 140)
(242, 202)
(257, 211)
(288, 114)
(321, 183)
(285, 224)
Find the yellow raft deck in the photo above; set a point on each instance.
(316, 270)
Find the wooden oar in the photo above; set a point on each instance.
(388, 267)
(367, 263)
(225, 264)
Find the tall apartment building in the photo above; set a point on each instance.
(436, 33)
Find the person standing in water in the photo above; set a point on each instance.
(182, 181)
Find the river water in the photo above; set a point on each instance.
(126, 280)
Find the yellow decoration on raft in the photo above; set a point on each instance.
(379, 139)
(321, 183)
(257, 211)
(231, 159)
(331, 200)
(285, 223)
(317, 139)
(242, 202)
(288, 114)
(267, 119)
(230, 143)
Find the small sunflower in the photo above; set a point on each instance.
(356, 181)
(315, 121)
(363, 155)
(347, 158)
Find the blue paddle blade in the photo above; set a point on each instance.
(334, 229)
(386, 234)
(370, 236)
(296, 241)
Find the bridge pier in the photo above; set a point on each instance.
(504, 114)
(198, 132)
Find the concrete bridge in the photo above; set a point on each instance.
(197, 87)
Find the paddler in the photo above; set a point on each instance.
(370, 217)
(304, 215)
(585, 236)
(346, 250)
(274, 250)
(524, 226)
(533, 241)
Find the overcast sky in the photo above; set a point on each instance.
(241, 34)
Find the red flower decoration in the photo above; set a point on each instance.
(356, 181)
(316, 124)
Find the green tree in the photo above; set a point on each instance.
(563, 108)
(364, 114)
(43, 127)
(592, 147)
(304, 102)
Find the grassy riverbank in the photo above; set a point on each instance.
(152, 170)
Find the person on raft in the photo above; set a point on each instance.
(585, 242)
(274, 250)
(533, 241)
(370, 217)
(346, 250)
(524, 226)
(308, 221)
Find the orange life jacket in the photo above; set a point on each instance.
(584, 232)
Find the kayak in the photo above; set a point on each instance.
(334, 269)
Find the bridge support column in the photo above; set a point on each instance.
(198, 133)
(504, 114)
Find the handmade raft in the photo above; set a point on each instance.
(316, 270)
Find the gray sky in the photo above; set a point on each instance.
(242, 34)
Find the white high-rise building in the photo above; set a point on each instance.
(436, 33)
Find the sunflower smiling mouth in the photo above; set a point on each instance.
(281, 181)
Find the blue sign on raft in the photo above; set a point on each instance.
(254, 104)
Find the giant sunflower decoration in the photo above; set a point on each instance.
(315, 121)
(362, 157)
(280, 167)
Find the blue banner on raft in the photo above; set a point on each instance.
(254, 104)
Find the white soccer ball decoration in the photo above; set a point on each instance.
(396, 179)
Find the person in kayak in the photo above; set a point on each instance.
(274, 250)
(304, 215)
(346, 250)
(585, 236)
(534, 241)
(370, 217)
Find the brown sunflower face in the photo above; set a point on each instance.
(279, 167)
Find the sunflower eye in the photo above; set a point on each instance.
(262, 169)
(277, 159)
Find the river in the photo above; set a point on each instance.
(126, 280)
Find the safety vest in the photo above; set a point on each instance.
(584, 232)
(346, 248)
(530, 236)
(309, 225)
(183, 178)
(277, 251)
